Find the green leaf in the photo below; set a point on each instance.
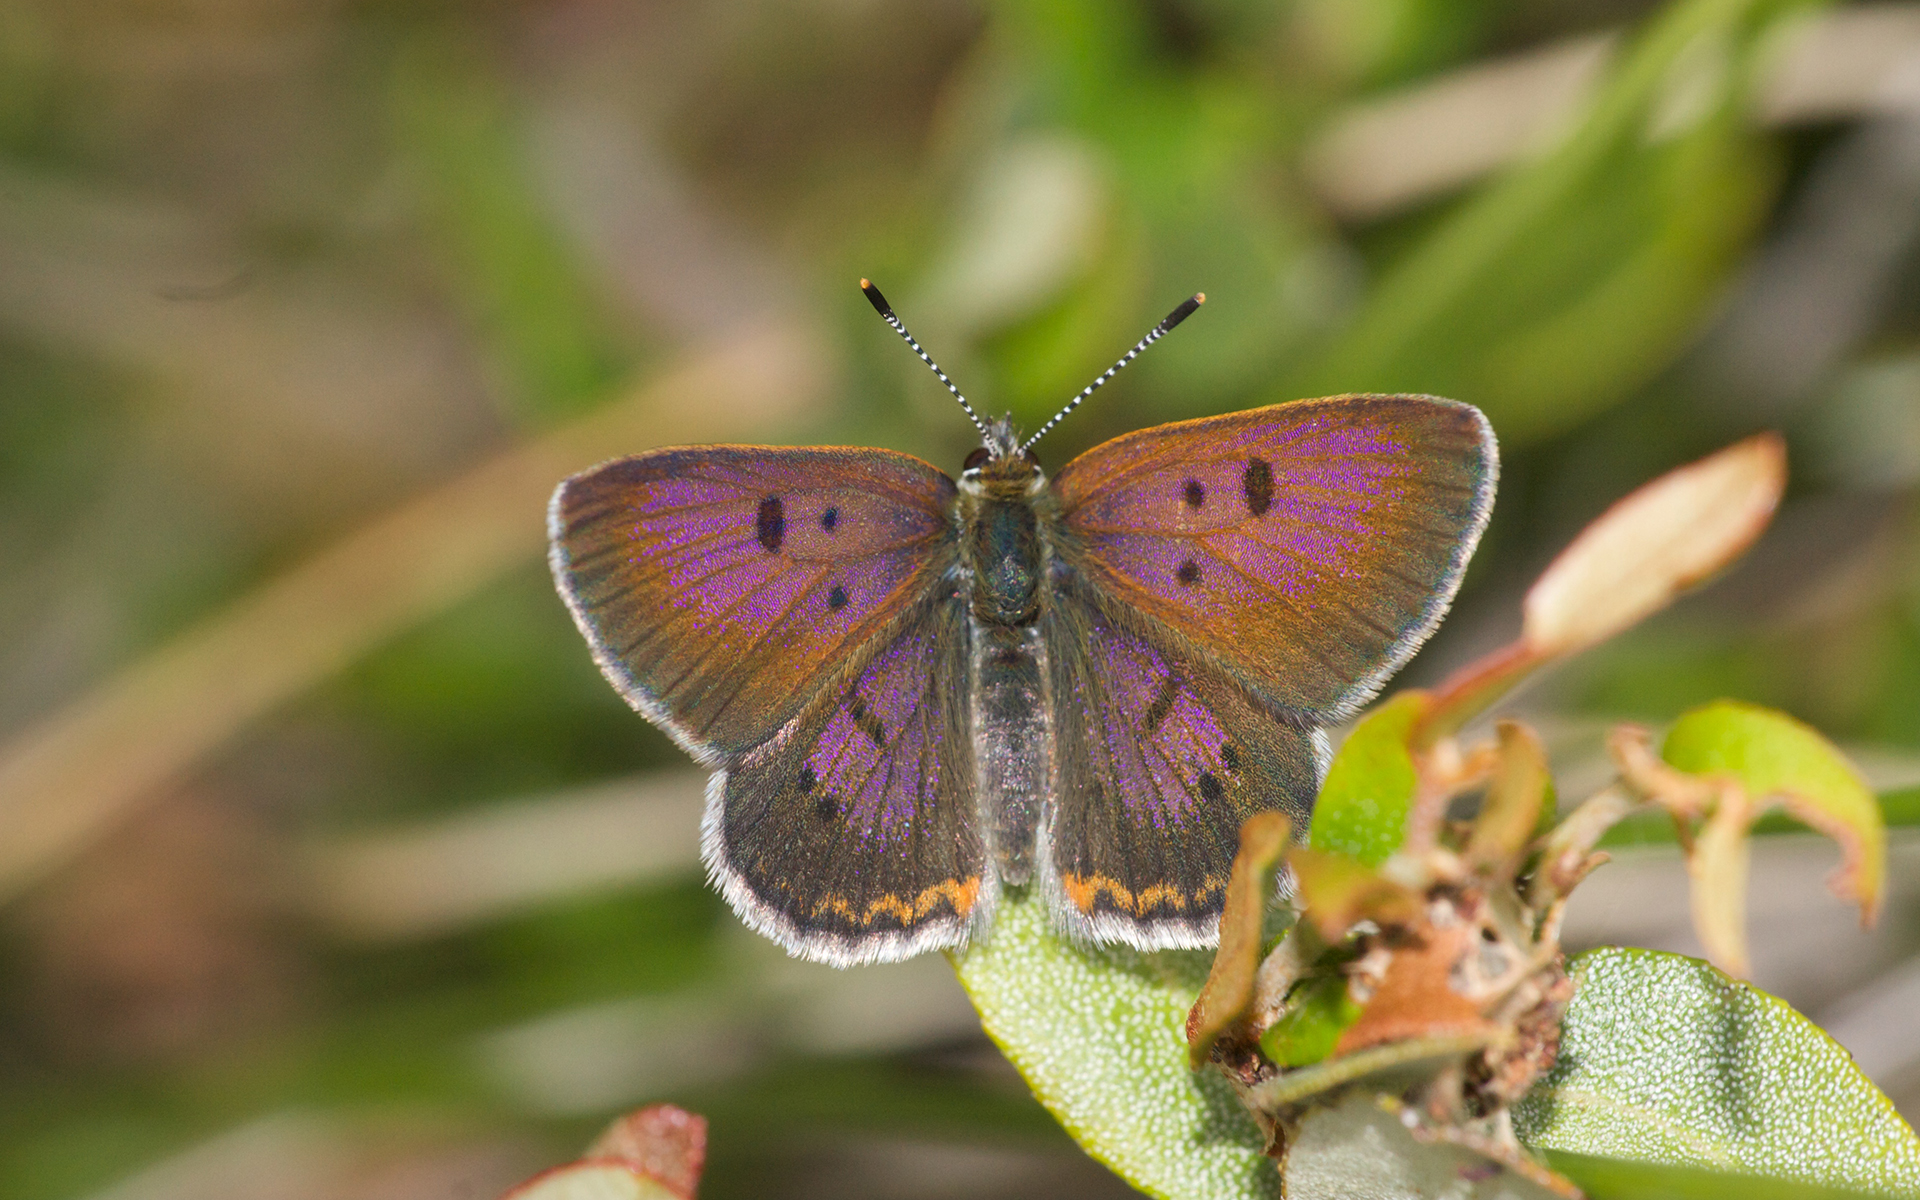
(1771, 754)
(1667, 1062)
(1356, 1147)
(1618, 1179)
(1097, 1034)
(1363, 805)
(1321, 1011)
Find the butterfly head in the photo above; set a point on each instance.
(1001, 466)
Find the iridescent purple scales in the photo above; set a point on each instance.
(877, 761)
(1335, 576)
(810, 623)
(687, 579)
(1159, 742)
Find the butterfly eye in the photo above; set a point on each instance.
(976, 459)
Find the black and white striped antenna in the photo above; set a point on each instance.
(1153, 335)
(885, 310)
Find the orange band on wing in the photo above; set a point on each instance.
(959, 894)
(1084, 891)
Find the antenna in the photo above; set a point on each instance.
(1153, 335)
(885, 310)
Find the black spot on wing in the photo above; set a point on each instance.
(770, 524)
(1196, 493)
(1189, 573)
(807, 780)
(865, 720)
(829, 518)
(1230, 757)
(1162, 703)
(1257, 484)
(826, 806)
(837, 598)
(1210, 789)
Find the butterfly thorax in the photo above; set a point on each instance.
(1003, 544)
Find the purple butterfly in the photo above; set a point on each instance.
(915, 693)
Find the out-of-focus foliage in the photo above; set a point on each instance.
(273, 274)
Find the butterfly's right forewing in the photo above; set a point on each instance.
(1309, 547)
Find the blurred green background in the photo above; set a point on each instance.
(330, 866)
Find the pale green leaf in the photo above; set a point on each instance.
(1363, 805)
(1666, 1061)
(1771, 754)
(1098, 1033)
(1356, 1150)
(1619, 1179)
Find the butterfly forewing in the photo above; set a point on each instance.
(720, 586)
(1158, 758)
(1309, 546)
(851, 836)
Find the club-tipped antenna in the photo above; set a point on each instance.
(1153, 335)
(885, 310)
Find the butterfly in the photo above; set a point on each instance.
(916, 692)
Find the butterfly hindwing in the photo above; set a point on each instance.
(850, 836)
(1309, 546)
(1158, 758)
(721, 586)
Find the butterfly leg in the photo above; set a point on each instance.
(1013, 747)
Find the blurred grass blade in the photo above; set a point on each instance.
(509, 266)
(1573, 278)
(67, 778)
